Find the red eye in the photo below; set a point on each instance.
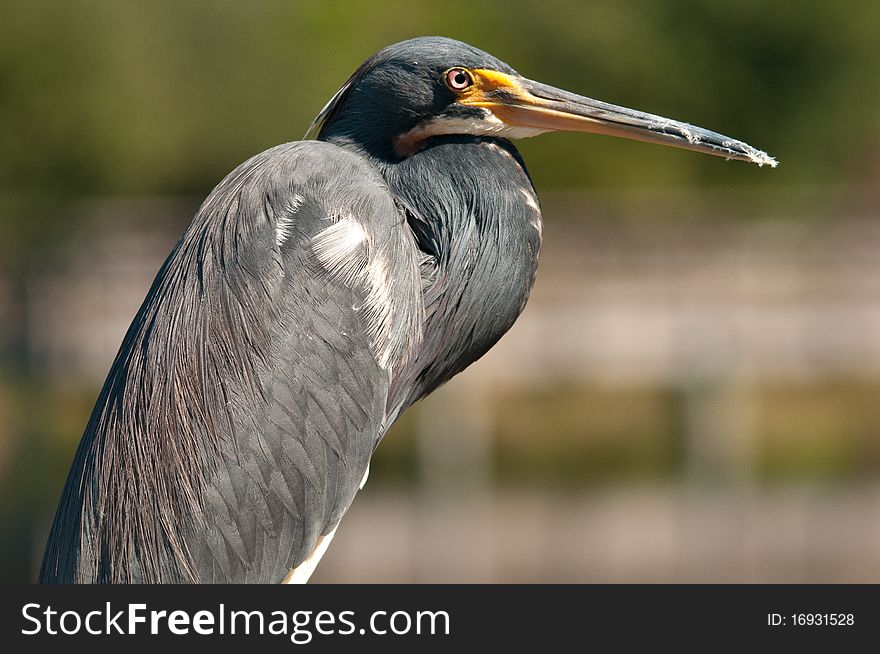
(458, 79)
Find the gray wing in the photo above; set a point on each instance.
(247, 398)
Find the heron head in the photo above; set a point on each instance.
(414, 91)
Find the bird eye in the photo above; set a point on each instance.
(458, 79)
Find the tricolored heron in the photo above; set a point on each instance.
(322, 288)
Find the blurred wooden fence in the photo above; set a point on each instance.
(705, 302)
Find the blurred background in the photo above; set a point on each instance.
(692, 394)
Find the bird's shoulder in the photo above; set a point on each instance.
(319, 258)
(310, 209)
(306, 178)
(253, 380)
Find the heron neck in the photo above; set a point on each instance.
(473, 212)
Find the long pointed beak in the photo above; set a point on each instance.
(523, 103)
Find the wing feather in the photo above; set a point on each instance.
(249, 393)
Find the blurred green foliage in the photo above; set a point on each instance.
(137, 97)
(103, 98)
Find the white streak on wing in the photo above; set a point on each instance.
(379, 311)
(345, 250)
(532, 201)
(364, 480)
(284, 222)
(301, 573)
(341, 249)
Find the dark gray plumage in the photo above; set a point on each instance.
(246, 388)
(322, 288)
